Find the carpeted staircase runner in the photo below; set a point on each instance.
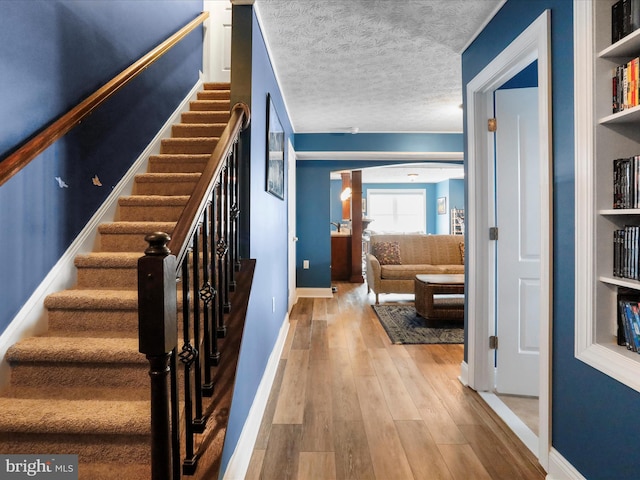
(83, 387)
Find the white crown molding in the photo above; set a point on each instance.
(404, 156)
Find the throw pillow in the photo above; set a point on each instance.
(461, 245)
(387, 253)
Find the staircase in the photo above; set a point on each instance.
(83, 387)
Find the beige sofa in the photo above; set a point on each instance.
(405, 256)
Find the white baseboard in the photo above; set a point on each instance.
(561, 469)
(32, 317)
(239, 461)
(516, 425)
(314, 292)
(464, 373)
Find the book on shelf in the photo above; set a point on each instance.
(625, 18)
(626, 182)
(626, 252)
(628, 332)
(625, 85)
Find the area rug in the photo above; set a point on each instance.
(405, 326)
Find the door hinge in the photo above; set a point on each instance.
(493, 342)
(493, 233)
(492, 125)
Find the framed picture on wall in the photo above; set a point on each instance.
(442, 205)
(275, 152)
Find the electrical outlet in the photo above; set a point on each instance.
(273, 304)
(305, 264)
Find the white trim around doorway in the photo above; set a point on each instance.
(533, 43)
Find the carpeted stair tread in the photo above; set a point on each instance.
(214, 95)
(154, 200)
(89, 417)
(178, 162)
(197, 130)
(107, 270)
(167, 177)
(141, 228)
(169, 183)
(205, 116)
(114, 471)
(71, 350)
(108, 259)
(152, 207)
(78, 299)
(217, 85)
(128, 236)
(79, 393)
(209, 105)
(189, 145)
(131, 332)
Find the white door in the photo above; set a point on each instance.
(217, 45)
(291, 213)
(518, 245)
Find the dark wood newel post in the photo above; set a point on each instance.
(158, 336)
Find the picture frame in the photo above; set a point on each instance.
(442, 205)
(275, 152)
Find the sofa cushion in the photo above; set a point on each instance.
(409, 272)
(387, 253)
(461, 245)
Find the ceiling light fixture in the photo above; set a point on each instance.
(412, 176)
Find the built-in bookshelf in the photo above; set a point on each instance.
(602, 139)
(457, 221)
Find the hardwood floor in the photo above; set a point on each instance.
(347, 404)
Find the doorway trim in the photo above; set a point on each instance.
(292, 239)
(533, 43)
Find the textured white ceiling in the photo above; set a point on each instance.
(376, 65)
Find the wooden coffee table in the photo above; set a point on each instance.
(448, 306)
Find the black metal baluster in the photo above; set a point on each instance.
(199, 420)
(216, 321)
(188, 355)
(225, 234)
(175, 415)
(206, 295)
(221, 251)
(232, 220)
(236, 208)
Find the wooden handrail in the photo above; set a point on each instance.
(20, 158)
(188, 221)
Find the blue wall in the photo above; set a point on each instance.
(594, 423)
(528, 77)
(53, 55)
(313, 184)
(379, 142)
(268, 245)
(453, 193)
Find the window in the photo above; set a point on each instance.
(397, 210)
